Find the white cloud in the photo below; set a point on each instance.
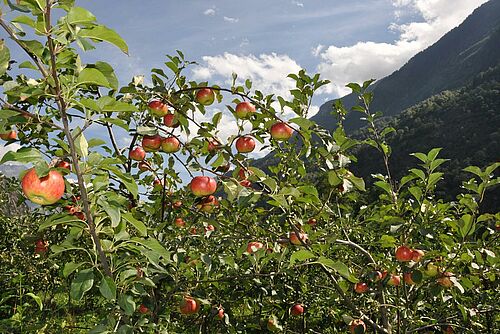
(298, 4)
(267, 71)
(209, 12)
(231, 19)
(367, 60)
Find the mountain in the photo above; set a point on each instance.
(465, 51)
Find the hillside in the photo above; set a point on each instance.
(470, 48)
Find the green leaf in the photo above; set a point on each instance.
(387, 241)
(116, 121)
(301, 255)
(82, 146)
(139, 226)
(4, 58)
(103, 33)
(304, 123)
(418, 172)
(358, 182)
(339, 267)
(23, 155)
(79, 15)
(92, 76)
(109, 73)
(37, 299)
(108, 288)
(69, 267)
(127, 304)
(83, 282)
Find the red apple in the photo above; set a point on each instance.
(312, 221)
(361, 287)
(408, 278)
(254, 246)
(44, 191)
(158, 108)
(246, 184)
(151, 143)
(143, 309)
(170, 121)
(137, 154)
(417, 255)
(296, 240)
(205, 96)
(80, 215)
(244, 109)
(157, 184)
(179, 222)
(445, 280)
(357, 326)
(208, 204)
(281, 131)
(64, 164)
(245, 144)
(143, 166)
(203, 185)
(213, 145)
(41, 246)
(11, 135)
(244, 173)
(404, 254)
(209, 228)
(377, 276)
(395, 280)
(170, 145)
(189, 305)
(220, 313)
(177, 204)
(297, 309)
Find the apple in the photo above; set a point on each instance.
(431, 270)
(157, 184)
(449, 330)
(177, 204)
(189, 305)
(80, 215)
(213, 145)
(244, 109)
(361, 287)
(417, 255)
(192, 230)
(209, 228)
(203, 185)
(244, 173)
(205, 96)
(395, 280)
(11, 135)
(377, 276)
(151, 143)
(408, 278)
(208, 204)
(445, 280)
(143, 166)
(158, 108)
(272, 324)
(357, 326)
(137, 154)
(246, 184)
(297, 309)
(254, 246)
(296, 239)
(41, 247)
(281, 131)
(404, 254)
(143, 309)
(170, 121)
(63, 164)
(179, 222)
(170, 145)
(312, 221)
(220, 313)
(45, 190)
(245, 144)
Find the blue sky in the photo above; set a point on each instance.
(264, 40)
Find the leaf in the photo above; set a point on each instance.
(136, 223)
(387, 241)
(79, 15)
(108, 288)
(304, 123)
(82, 146)
(109, 73)
(92, 76)
(339, 267)
(103, 33)
(37, 299)
(418, 172)
(83, 282)
(4, 58)
(23, 155)
(358, 182)
(301, 256)
(127, 304)
(69, 267)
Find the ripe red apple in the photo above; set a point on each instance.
(170, 145)
(151, 143)
(205, 96)
(297, 309)
(296, 240)
(44, 191)
(281, 131)
(377, 276)
(11, 135)
(404, 254)
(137, 154)
(179, 222)
(158, 108)
(244, 109)
(395, 280)
(203, 185)
(312, 221)
(170, 121)
(357, 326)
(408, 278)
(208, 204)
(177, 204)
(445, 280)
(417, 255)
(209, 228)
(246, 184)
(157, 184)
(245, 144)
(41, 247)
(361, 287)
(143, 166)
(220, 313)
(189, 305)
(213, 145)
(64, 164)
(244, 173)
(143, 309)
(254, 246)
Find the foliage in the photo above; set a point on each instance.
(123, 264)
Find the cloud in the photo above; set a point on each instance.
(367, 60)
(298, 4)
(231, 19)
(6, 148)
(267, 71)
(209, 12)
